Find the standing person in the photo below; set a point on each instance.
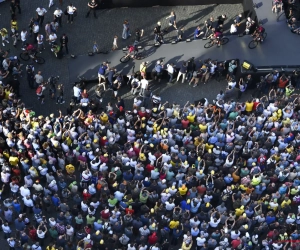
(172, 21)
(209, 24)
(158, 70)
(31, 23)
(64, 43)
(35, 30)
(115, 44)
(182, 72)
(40, 42)
(60, 94)
(17, 4)
(24, 35)
(4, 36)
(48, 30)
(30, 76)
(58, 16)
(144, 86)
(39, 79)
(126, 30)
(14, 31)
(157, 31)
(40, 14)
(171, 71)
(70, 11)
(242, 88)
(138, 34)
(101, 72)
(13, 8)
(92, 7)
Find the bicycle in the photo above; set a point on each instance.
(25, 57)
(127, 57)
(253, 44)
(212, 42)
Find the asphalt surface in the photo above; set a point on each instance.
(84, 31)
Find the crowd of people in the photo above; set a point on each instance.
(159, 176)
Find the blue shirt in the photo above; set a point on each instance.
(270, 219)
(102, 69)
(184, 206)
(127, 176)
(158, 68)
(197, 32)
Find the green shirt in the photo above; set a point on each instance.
(90, 220)
(113, 201)
(78, 220)
(53, 233)
(143, 198)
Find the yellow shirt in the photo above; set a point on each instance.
(202, 128)
(249, 106)
(143, 68)
(191, 118)
(285, 203)
(6, 92)
(173, 224)
(182, 191)
(13, 160)
(239, 211)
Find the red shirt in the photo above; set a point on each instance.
(255, 104)
(235, 244)
(129, 211)
(152, 239)
(185, 123)
(86, 196)
(104, 215)
(201, 190)
(149, 168)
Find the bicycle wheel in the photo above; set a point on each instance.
(253, 44)
(139, 56)
(265, 35)
(224, 40)
(39, 60)
(124, 59)
(24, 56)
(281, 17)
(208, 44)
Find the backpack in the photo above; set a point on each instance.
(39, 90)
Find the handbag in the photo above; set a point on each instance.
(75, 13)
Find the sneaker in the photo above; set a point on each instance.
(3, 44)
(71, 22)
(190, 83)
(57, 103)
(195, 85)
(42, 102)
(7, 41)
(261, 40)
(23, 49)
(62, 102)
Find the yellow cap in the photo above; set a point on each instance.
(105, 155)
(188, 201)
(209, 151)
(246, 226)
(173, 187)
(152, 211)
(167, 190)
(101, 242)
(212, 172)
(201, 171)
(207, 204)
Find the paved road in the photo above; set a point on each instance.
(84, 31)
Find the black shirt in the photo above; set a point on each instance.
(221, 20)
(157, 29)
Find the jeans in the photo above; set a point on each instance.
(181, 74)
(171, 77)
(60, 99)
(189, 75)
(70, 17)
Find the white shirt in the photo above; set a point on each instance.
(14, 187)
(212, 222)
(84, 207)
(36, 29)
(76, 91)
(70, 231)
(6, 229)
(71, 10)
(28, 202)
(58, 13)
(41, 11)
(169, 206)
(23, 35)
(170, 69)
(40, 235)
(200, 241)
(144, 83)
(24, 191)
(40, 39)
(52, 37)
